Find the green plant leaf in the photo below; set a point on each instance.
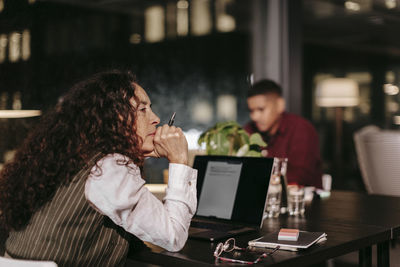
(256, 139)
(229, 138)
(252, 153)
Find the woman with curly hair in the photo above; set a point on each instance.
(74, 193)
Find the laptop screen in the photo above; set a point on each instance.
(232, 188)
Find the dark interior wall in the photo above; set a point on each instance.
(338, 61)
(69, 43)
(180, 73)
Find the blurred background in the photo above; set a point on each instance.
(198, 57)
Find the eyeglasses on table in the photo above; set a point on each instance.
(230, 245)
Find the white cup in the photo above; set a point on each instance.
(326, 182)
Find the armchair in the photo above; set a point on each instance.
(378, 154)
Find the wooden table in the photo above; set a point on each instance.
(352, 207)
(352, 221)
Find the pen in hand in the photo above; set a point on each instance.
(171, 120)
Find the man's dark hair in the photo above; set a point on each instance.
(264, 87)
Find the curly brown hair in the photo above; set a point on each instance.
(95, 116)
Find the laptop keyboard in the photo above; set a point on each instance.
(214, 226)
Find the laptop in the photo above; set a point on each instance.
(231, 195)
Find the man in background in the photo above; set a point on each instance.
(287, 135)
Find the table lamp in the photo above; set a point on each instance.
(337, 93)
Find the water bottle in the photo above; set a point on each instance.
(274, 196)
(273, 208)
(284, 196)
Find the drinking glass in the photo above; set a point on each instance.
(296, 200)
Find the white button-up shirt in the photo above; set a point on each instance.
(118, 192)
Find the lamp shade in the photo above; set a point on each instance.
(337, 92)
(18, 113)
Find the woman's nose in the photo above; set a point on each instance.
(155, 119)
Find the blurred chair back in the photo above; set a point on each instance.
(8, 262)
(378, 154)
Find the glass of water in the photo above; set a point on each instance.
(296, 200)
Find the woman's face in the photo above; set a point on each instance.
(146, 120)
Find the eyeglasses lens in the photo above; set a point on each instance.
(229, 245)
(218, 250)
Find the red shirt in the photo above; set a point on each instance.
(297, 140)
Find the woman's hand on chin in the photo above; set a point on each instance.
(170, 142)
(152, 154)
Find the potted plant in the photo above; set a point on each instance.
(229, 138)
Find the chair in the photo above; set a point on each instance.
(8, 262)
(378, 154)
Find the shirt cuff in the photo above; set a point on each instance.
(182, 181)
(180, 176)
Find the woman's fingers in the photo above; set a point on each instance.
(170, 142)
(152, 154)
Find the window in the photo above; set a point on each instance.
(14, 46)
(225, 22)
(3, 47)
(182, 18)
(26, 44)
(201, 22)
(154, 24)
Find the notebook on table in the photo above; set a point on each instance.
(231, 195)
(305, 240)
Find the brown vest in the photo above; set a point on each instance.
(70, 232)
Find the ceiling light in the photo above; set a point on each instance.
(350, 5)
(390, 4)
(390, 89)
